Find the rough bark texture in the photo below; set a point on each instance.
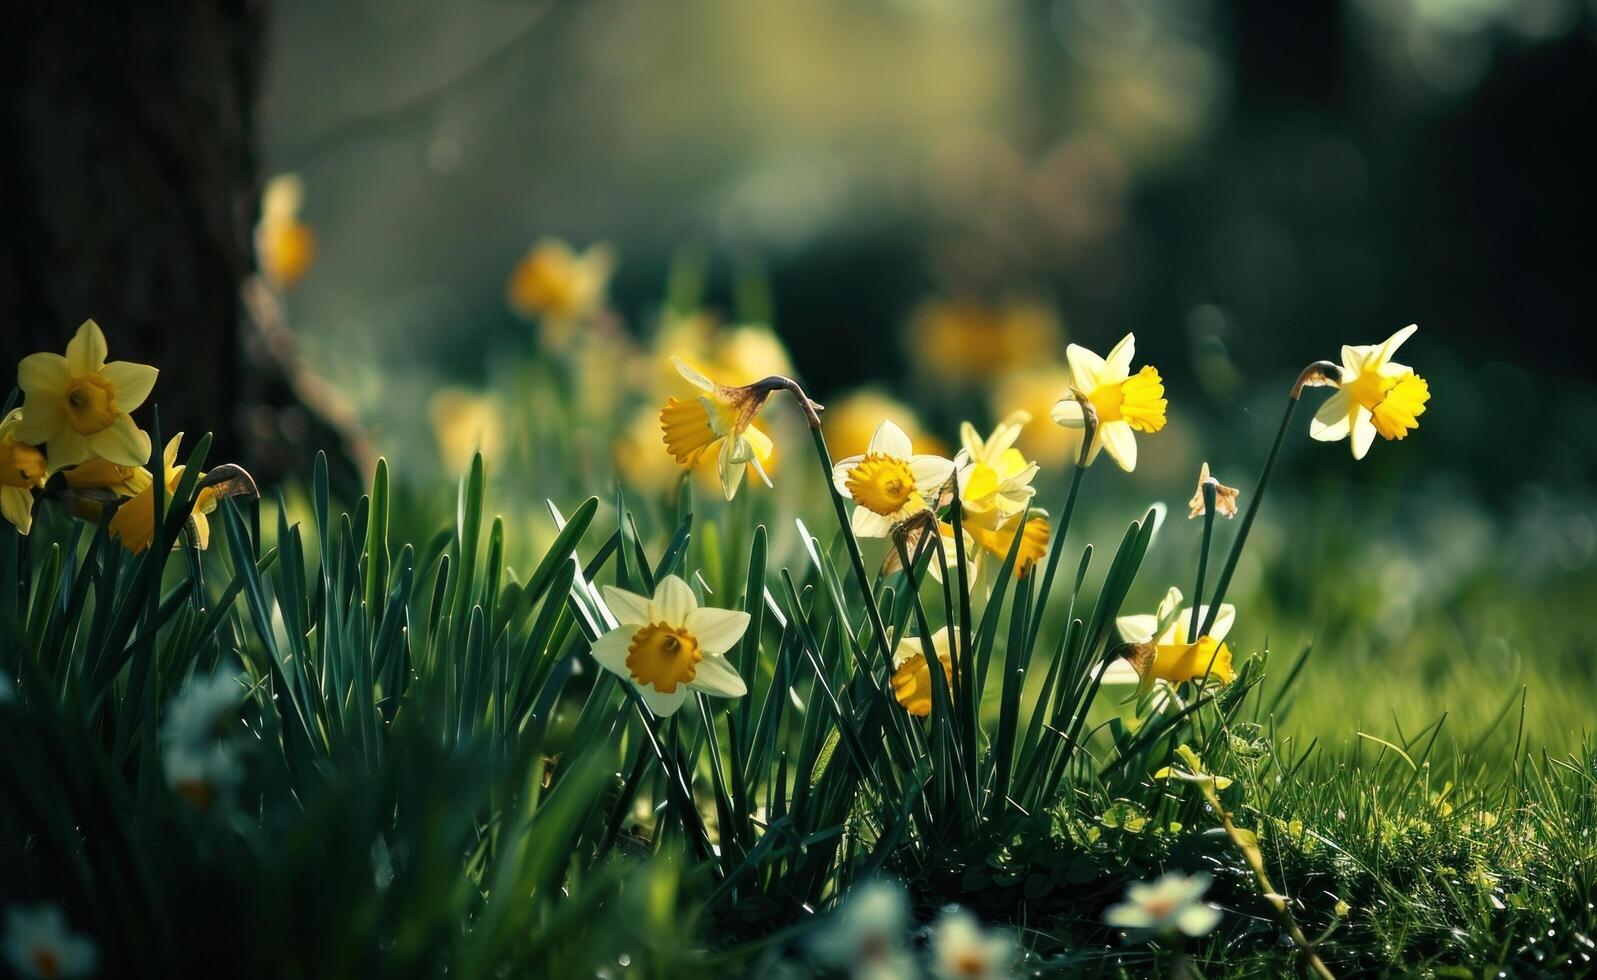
(127, 193)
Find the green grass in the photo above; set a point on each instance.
(425, 773)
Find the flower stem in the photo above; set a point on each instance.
(1053, 557)
(1247, 521)
(1208, 491)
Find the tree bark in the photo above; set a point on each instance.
(128, 193)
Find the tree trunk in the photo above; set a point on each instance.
(128, 192)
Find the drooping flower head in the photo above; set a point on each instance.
(912, 675)
(1225, 498)
(889, 483)
(560, 287)
(78, 406)
(1377, 395)
(1163, 649)
(284, 246)
(962, 950)
(1174, 903)
(22, 469)
(721, 416)
(669, 645)
(40, 944)
(1123, 403)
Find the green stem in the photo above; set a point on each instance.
(1247, 521)
(854, 556)
(1208, 491)
(1053, 557)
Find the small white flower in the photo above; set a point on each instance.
(38, 943)
(962, 951)
(1169, 905)
(668, 645)
(889, 483)
(203, 709)
(865, 938)
(197, 755)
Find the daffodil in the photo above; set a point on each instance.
(962, 950)
(78, 406)
(912, 675)
(198, 755)
(996, 485)
(669, 645)
(22, 469)
(465, 423)
(889, 482)
(40, 944)
(134, 521)
(1123, 403)
(1377, 395)
(864, 939)
(1174, 903)
(1163, 648)
(981, 542)
(558, 286)
(284, 246)
(721, 416)
(1225, 498)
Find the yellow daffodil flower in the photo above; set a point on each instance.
(1377, 395)
(997, 541)
(21, 470)
(890, 482)
(669, 645)
(721, 416)
(1124, 403)
(1164, 647)
(559, 287)
(284, 246)
(972, 341)
(78, 406)
(95, 482)
(134, 521)
(912, 676)
(464, 423)
(997, 484)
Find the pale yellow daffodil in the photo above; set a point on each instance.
(996, 485)
(22, 469)
(1377, 395)
(1165, 651)
(721, 416)
(1124, 403)
(668, 645)
(78, 406)
(890, 482)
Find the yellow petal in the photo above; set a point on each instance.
(121, 442)
(130, 383)
(65, 448)
(43, 373)
(16, 505)
(86, 350)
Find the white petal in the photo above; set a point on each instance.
(890, 440)
(1137, 628)
(840, 471)
(1223, 621)
(610, 650)
(1128, 916)
(627, 607)
(717, 676)
(1330, 421)
(931, 472)
(1085, 368)
(1197, 920)
(694, 378)
(672, 602)
(1117, 365)
(1121, 673)
(731, 463)
(869, 524)
(1067, 412)
(717, 630)
(1392, 343)
(662, 704)
(1169, 604)
(1121, 442)
(1363, 432)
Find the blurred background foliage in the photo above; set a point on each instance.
(915, 204)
